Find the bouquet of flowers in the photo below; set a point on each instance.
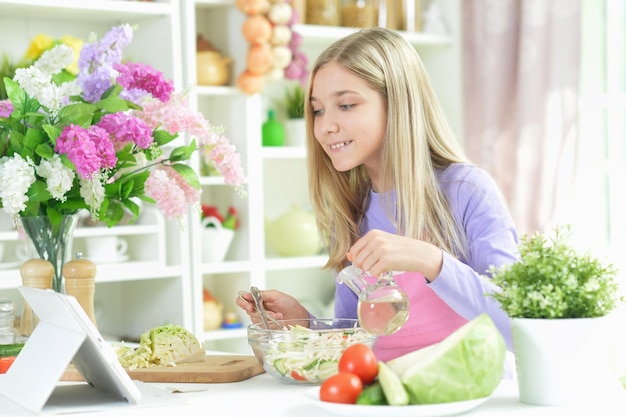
(97, 141)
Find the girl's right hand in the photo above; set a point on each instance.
(279, 305)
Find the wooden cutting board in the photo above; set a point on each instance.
(215, 368)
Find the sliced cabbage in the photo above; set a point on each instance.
(467, 365)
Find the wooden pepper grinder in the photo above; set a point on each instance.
(80, 282)
(36, 273)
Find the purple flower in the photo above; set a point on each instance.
(97, 60)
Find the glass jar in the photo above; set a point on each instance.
(359, 13)
(323, 12)
(7, 320)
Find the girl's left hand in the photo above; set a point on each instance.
(378, 252)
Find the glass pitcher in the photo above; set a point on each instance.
(383, 308)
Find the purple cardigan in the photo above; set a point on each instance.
(459, 292)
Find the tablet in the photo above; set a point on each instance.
(64, 335)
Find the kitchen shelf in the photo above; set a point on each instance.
(152, 286)
(317, 34)
(80, 10)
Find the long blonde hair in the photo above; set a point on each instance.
(418, 140)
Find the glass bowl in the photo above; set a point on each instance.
(305, 351)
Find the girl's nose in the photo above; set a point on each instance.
(330, 128)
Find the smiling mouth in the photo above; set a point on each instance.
(340, 145)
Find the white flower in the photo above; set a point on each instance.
(54, 60)
(59, 178)
(39, 85)
(36, 80)
(92, 191)
(16, 177)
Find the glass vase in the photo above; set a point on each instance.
(52, 242)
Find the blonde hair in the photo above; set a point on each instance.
(418, 140)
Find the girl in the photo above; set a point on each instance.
(393, 191)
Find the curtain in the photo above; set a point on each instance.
(521, 78)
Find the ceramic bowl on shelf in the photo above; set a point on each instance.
(305, 351)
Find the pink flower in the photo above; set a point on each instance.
(226, 159)
(90, 150)
(6, 108)
(124, 128)
(139, 76)
(173, 195)
(173, 116)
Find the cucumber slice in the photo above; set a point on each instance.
(281, 368)
(326, 369)
(394, 390)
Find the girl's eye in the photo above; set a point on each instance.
(317, 112)
(346, 106)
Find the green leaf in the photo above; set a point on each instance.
(38, 192)
(161, 137)
(80, 114)
(114, 213)
(44, 151)
(182, 153)
(113, 104)
(53, 132)
(133, 207)
(54, 216)
(16, 94)
(188, 174)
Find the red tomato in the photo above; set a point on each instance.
(5, 363)
(344, 388)
(360, 360)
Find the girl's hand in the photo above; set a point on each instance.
(278, 305)
(379, 252)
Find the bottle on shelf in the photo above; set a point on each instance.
(273, 132)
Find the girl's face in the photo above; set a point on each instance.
(349, 119)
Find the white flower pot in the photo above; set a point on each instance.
(563, 361)
(215, 240)
(295, 132)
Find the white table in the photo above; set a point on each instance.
(263, 395)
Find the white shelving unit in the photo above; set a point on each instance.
(277, 176)
(152, 287)
(164, 281)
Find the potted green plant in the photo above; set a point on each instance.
(558, 300)
(293, 104)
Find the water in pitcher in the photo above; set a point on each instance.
(382, 307)
(383, 316)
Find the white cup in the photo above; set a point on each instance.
(24, 251)
(106, 248)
